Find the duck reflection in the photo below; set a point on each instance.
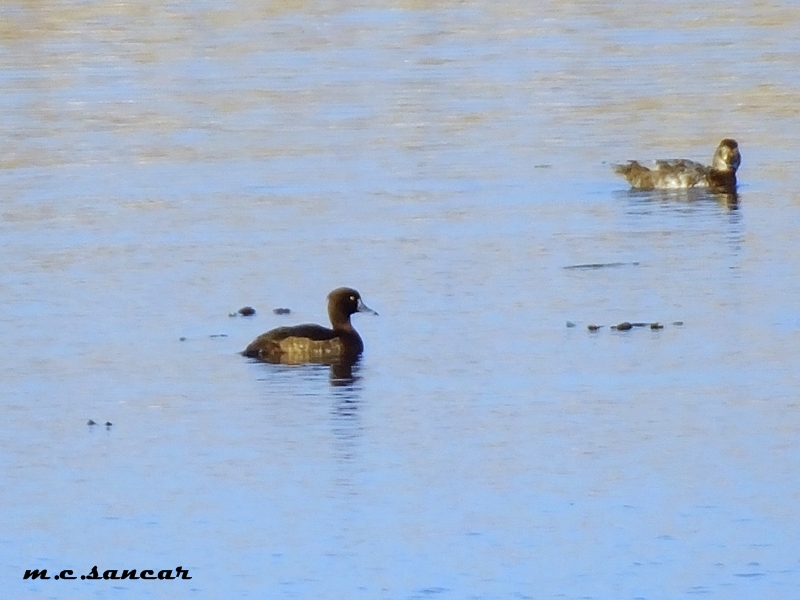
(345, 422)
(729, 200)
(692, 205)
(342, 373)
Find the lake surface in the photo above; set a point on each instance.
(162, 167)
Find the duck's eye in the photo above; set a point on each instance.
(353, 298)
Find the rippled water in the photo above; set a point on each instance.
(163, 166)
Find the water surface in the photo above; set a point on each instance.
(163, 166)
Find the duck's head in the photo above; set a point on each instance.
(727, 157)
(343, 302)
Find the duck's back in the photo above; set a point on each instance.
(679, 173)
(301, 344)
(676, 173)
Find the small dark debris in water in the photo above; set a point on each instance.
(627, 326)
(570, 324)
(542, 166)
(182, 338)
(109, 423)
(90, 423)
(216, 335)
(281, 311)
(602, 265)
(677, 323)
(247, 311)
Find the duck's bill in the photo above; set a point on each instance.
(364, 308)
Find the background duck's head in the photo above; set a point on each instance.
(727, 157)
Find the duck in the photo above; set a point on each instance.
(684, 174)
(311, 343)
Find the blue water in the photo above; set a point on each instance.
(163, 167)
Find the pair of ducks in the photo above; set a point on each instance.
(341, 343)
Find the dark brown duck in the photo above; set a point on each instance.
(682, 174)
(315, 343)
